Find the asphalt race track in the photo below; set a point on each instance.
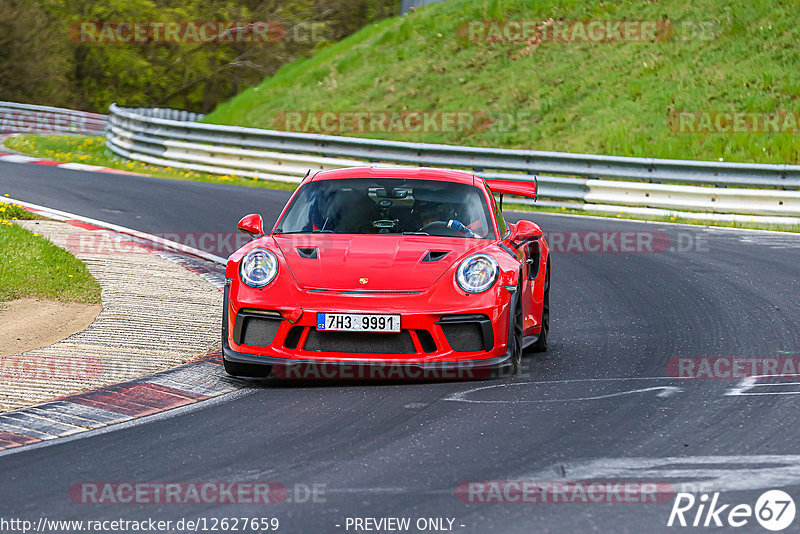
(600, 405)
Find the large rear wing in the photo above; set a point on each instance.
(525, 188)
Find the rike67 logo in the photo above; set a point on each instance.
(774, 510)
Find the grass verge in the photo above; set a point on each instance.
(32, 266)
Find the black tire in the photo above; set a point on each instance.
(516, 334)
(541, 343)
(514, 362)
(247, 370)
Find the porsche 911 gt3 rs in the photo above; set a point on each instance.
(375, 267)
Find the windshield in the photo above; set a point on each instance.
(389, 206)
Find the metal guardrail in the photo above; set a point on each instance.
(29, 118)
(597, 183)
(165, 137)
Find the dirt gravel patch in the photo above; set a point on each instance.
(27, 324)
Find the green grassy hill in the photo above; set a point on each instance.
(591, 97)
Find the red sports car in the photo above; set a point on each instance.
(413, 272)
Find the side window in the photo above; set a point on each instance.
(501, 222)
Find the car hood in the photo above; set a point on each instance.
(386, 262)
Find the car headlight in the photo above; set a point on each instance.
(477, 273)
(258, 268)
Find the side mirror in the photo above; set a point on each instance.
(252, 224)
(524, 231)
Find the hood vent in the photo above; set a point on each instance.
(435, 255)
(309, 253)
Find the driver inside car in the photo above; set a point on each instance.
(444, 213)
(429, 212)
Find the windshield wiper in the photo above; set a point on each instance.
(416, 233)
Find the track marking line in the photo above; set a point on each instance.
(664, 391)
(751, 382)
(711, 473)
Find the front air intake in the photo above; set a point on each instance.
(468, 332)
(256, 328)
(360, 342)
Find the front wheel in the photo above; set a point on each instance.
(514, 362)
(541, 343)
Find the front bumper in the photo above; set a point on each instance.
(428, 352)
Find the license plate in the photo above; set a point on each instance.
(356, 322)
